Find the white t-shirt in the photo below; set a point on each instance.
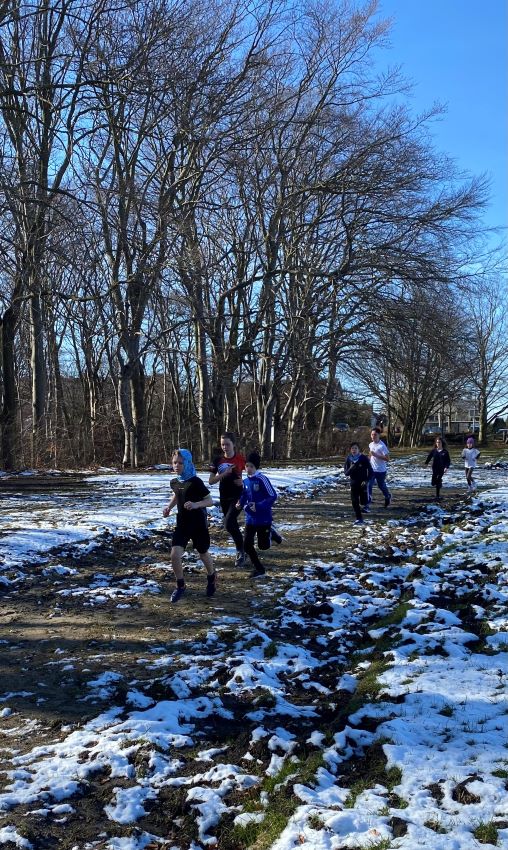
(470, 456)
(376, 463)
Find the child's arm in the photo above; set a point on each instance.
(214, 477)
(381, 454)
(167, 510)
(207, 502)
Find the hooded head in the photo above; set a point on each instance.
(189, 469)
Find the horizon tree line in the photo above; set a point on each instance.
(212, 215)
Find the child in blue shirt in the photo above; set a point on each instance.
(257, 498)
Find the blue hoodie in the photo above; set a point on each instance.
(258, 489)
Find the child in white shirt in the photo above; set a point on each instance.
(470, 455)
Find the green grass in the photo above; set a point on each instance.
(281, 805)
(486, 833)
(373, 771)
(271, 650)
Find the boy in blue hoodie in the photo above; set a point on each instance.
(257, 497)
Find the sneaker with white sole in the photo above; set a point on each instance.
(240, 559)
(257, 572)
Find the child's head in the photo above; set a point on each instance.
(177, 461)
(470, 442)
(228, 443)
(354, 449)
(439, 443)
(252, 463)
(182, 464)
(375, 434)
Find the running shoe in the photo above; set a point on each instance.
(256, 572)
(178, 593)
(240, 559)
(387, 501)
(274, 534)
(365, 509)
(358, 522)
(211, 584)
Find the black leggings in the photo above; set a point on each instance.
(231, 514)
(263, 533)
(359, 496)
(437, 481)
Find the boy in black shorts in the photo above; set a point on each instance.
(192, 498)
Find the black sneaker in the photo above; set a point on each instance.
(240, 559)
(274, 534)
(256, 572)
(387, 501)
(178, 593)
(365, 509)
(211, 584)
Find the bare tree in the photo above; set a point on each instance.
(485, 328)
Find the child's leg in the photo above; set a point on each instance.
(264, 536)
(208, 562)
(231, 525)
(355, 499)
(469, 476)
(381, 483)
(176, 561)
(275, 536)
(248, 542)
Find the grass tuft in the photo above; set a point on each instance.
(486, 833)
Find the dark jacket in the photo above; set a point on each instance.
(358, 468)
(440, 460)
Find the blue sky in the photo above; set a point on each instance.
(456, 52)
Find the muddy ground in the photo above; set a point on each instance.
(37, 626)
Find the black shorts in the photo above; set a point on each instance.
(200, 538)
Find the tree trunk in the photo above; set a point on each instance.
(8, 325)
(39, 378)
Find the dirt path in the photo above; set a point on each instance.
(56, 645)
(36, 621)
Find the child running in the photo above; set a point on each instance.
(227, 469)
(257, 497)
(379, 455)
(440, 464)
(359, 470)
(470, 455)
(191, 497)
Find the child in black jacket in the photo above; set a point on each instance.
(359, 470)
(440, 464)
